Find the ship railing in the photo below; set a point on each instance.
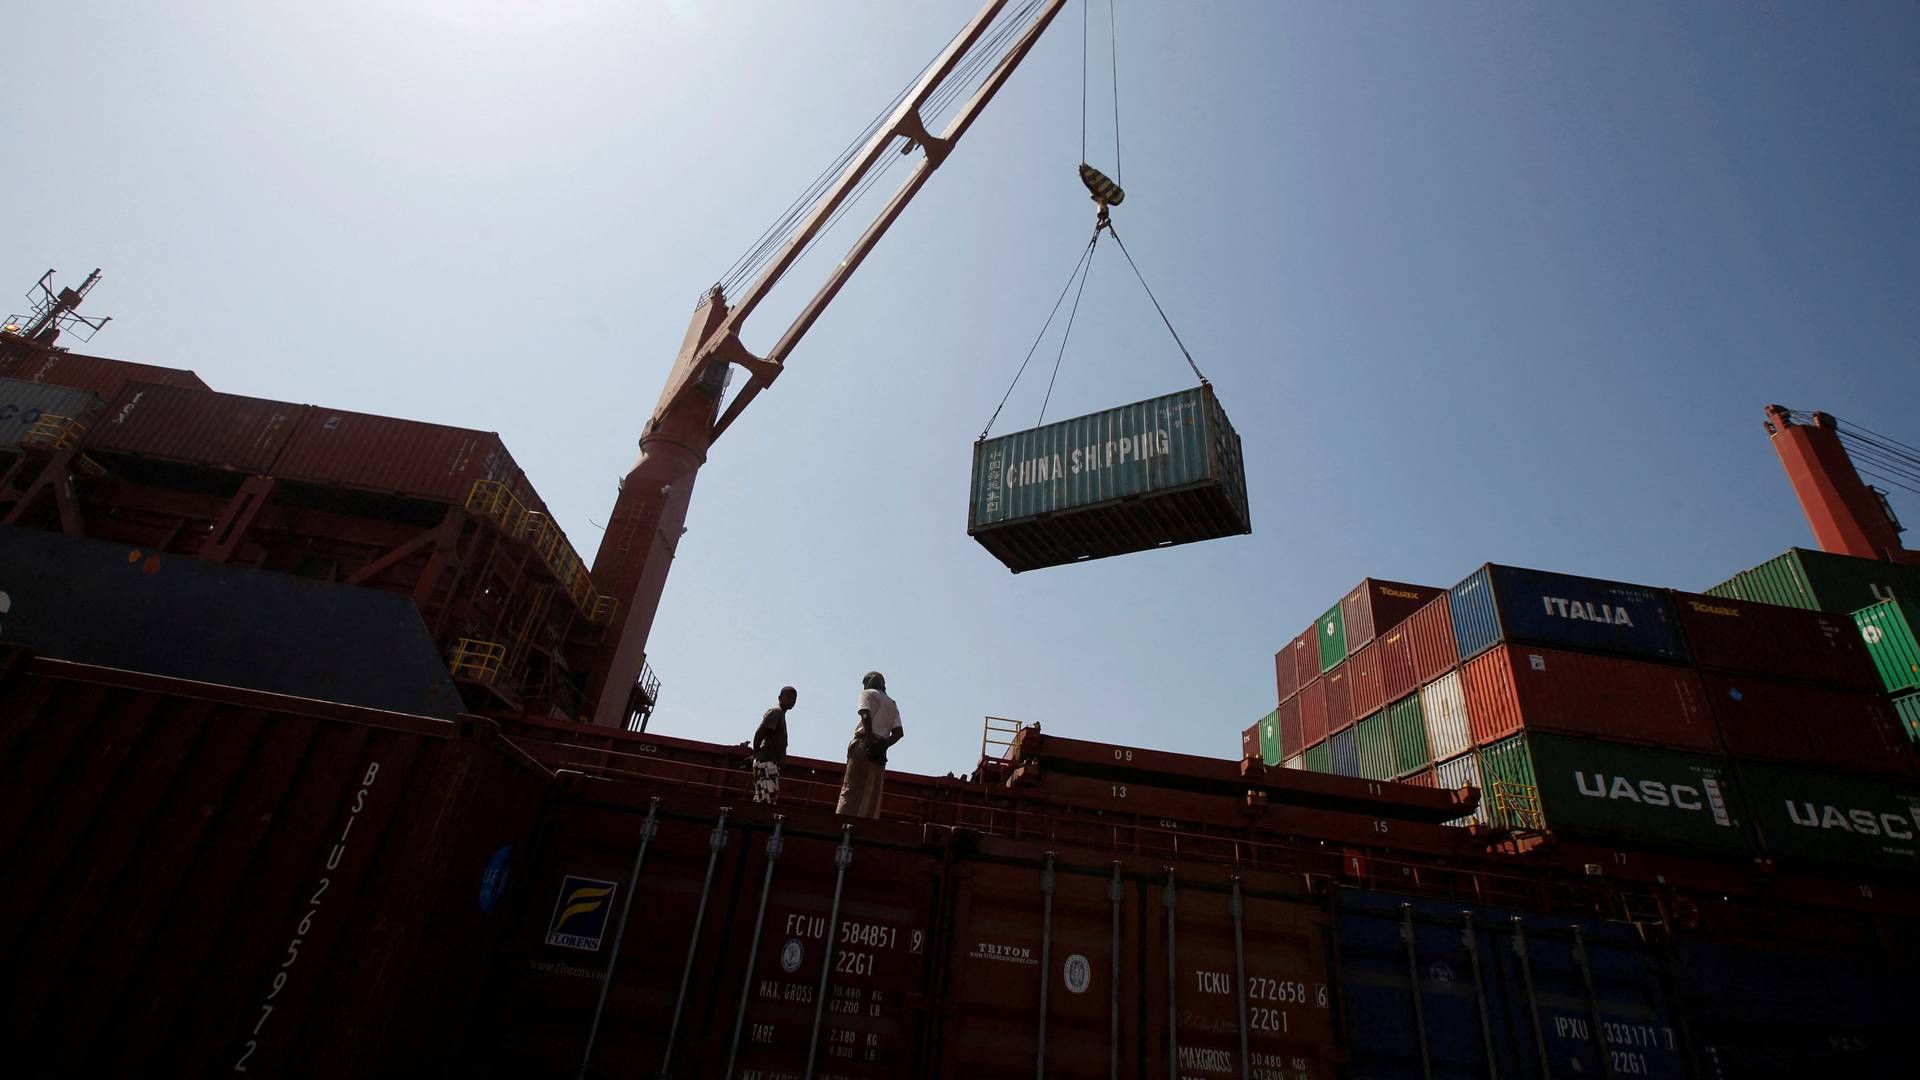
(997, 734)
(54, 432)
(496, 502)
(477, 660)
(1517, 806)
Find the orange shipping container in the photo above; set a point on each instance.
(393, 457)
(1431, 632)
(1339, 698)
(195, 427)
(1514, 688)
(1369, 687)
(1313, 712)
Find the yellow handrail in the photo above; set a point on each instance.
(495, 501)
(477, 660)
(1517, 806)
(56, 432)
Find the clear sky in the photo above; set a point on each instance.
(1475, 282)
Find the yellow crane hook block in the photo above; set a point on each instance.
(1105, 191)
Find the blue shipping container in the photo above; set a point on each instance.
(1508, 603)
(1767, 1013)
(1346, 753)
(1496, 996)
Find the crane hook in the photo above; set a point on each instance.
(1104, 191)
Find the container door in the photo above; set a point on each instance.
(1579, 990)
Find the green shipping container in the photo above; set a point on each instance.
(1408, 724)
(1824, 817)
(1320, 757)
(1821, 581)
(1375, 742)
(1154, 473)
(1270, 739)
(1608, 789)
(1888, 629)
(1331, 628)
(1908, 708)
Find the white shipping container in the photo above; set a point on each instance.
(1445, 708)
(1297, 761)
(1463, 771)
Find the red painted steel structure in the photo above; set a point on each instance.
(1846, 518)
(650, 512)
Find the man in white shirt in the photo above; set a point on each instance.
(878, 730)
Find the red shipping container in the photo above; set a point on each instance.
(1306, 657)
(1313, 712)
(1366, 682)
(1286, 678)
(1374, 607)
(197, 427)
(1423, 778)
(1515, 688)
(96, 373)
(1814, 726)
(394, 457)
(1778, 642)
(1395, 650)
(1431, 631)
(1339, 698)
(1250, 744)
(1292, 738)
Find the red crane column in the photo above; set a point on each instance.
(1847, 518)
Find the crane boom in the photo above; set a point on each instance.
(650, 512)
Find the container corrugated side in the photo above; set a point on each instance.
(1444, 704)
(1292, 738)
(1374, 607)
(1297, 761)
(1509, 603)
(1250, 743)
(1796, 723)
(1345, 751)
(1787, 1010)
(1368, 684)
(1286, 681)
(1747, 636)
(1430, 632)
(380, 454)
(23, 403)
(1423, 778)
(1162, 471)
(1319, 757)
(1331, 630)
(1648, 795)
(1339, 698)
(1408, 724)
(1460, 772)
(94, 373)
(1511, 688)
(1887, 629)
(1269, 738)
(1907, 708)
(1313, 712)
(1823, 581)
(195, 427)
(1398, 676)
(1373, 739)
(1814, 816)
(1306, 657)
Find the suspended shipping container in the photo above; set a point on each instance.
(1887, 629)
(1339, 698)
(96, 602)
(22, 404)
(1754, 638)
(1821, 581)
(1331, 631)
(195, 427)
(1841, 730)
(1152, 474)
(92, 373)
(1513, 688)
(1508, 603)
(1374, 607)
(1649, 796)
(1368, 681)
(1408, 725)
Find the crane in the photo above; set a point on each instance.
(649, 514)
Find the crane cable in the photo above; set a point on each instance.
(1086, 254)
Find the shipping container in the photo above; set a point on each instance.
(1444, 705)
(195, 427)
(206, 880)
(1306, 657)
(1373, 741)
(1430, 632)
(1313, 712)
(1292, 739)
(1887, 630)
(1907, 708)
(1508, 603)
(1270, 747)
(1250, 744)
(1397, 675)
(1319, 757)
(1367, 682)
(95, 602)
(1842, 730)
(1808, 815)
(1331, 631)
(1374, 607)
(1464, 772)
(1822, 581)
(1513, 688)
(95, 374)
(1778, 1013)
(1423, 778)
(1297, 761)
(387, 456)
(1151, 474)
(1286, 680)
(1754, 638)
(22, 404)
(1345, 749)
(1450, 991)
(1339, 698)
(1408, 726)
(1650, 796)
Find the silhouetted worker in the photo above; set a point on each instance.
(770, 748)
(878, 730)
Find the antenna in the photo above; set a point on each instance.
(53, 313)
